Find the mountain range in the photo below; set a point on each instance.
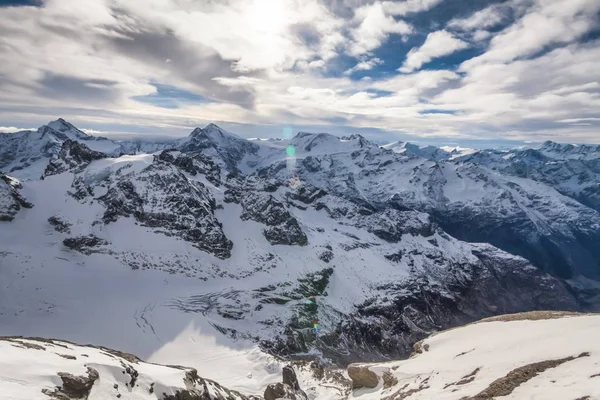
(148, 246)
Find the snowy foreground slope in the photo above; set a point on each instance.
(43, 369)
(539, 355)
(514, 357)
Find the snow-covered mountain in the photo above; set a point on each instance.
(210, 238)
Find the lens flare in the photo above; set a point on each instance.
(290, 150)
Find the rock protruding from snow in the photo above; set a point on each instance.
(73, 156)
(282, 227)
(194, 164)
(362, 377)
(74, 387)
(11, 200)
(31, 369)
(514, 357)
(160, 196)
(289, 389)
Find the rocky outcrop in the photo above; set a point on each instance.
(11, 201)
(161, 197)
(390, 225)
(74, 387)
(59, 225)
(289, 389)
(194, 164)
(73, 156)
(282, 227)
(362, 377)
(85, 244)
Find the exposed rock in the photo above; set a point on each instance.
(326, 256)
(11, 200)
(362, 376)
(59, 225)
(389, 380)
(289, 389)
(194, 164)
(73, 156)
(290, 378)
(161, 197)
(282, 227)
(391, 224)
(75, 387)
(85, 244)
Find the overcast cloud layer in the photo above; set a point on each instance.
(525, 70)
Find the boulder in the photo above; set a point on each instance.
(362, 376)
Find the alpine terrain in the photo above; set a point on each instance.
(220, 254)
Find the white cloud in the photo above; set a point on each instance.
(409, 6)
(575, 120)
(374, 28)
(548, 22)
(12, 129)
(365, 65)
(437, 44)
(483, 19)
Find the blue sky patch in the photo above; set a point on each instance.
(171, 97)
(17, 3)
(437, 111)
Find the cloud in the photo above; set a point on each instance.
(546, 23)
(489, 17)
(438, 44)
(12, 129)
(365, 65)
(374, 27)
(574, 120)
(168, 65)
(409, 6)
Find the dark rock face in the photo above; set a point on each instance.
(390, 225)
(74, 387)
(73, 156)
(288, 389)
(11, 200)
(85, 244)
(194, 164)
(290, 378)
(59, 225)
(390, 324)
(161, 197)
(282, 227)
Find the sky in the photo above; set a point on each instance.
(432, 71)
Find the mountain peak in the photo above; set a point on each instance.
(61, 125)
(212, 126)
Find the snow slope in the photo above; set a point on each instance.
(37, 369)
(558, 358)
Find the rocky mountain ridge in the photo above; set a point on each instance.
(393, 246)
